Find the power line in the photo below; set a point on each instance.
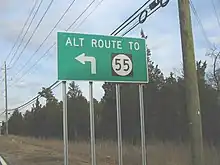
(118, 28)
(215, 11)
(153, 7)
(48, 7)
(68, 29)
(16, 41)
(29, 69)
(2, 113)
(31, 57)
(111, 33)
(35, 13)
(100, 2)
(53, 86)
(80, 15)
(30, 101)
(200, 23)
(137, 22)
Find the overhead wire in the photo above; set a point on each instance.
(80, 15)
(35, 13)
(34, 31)
(44, 54)
(137, 22)
(128, 22)
(31, 102)
(55, 84)
(120, 28)
(215, 12)
(2, 113)
(30, 68)
(22, 30)
(134, 25)
(123, 24)
(92, 11)
(31, 57)
(149, 10)
(200, 23)
(48, 50)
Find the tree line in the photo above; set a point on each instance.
(165, 110)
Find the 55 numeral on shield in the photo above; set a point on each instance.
(122, 65)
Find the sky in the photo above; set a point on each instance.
(162, 29)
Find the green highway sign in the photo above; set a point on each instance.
(101, 58)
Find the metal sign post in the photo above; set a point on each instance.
(65, 130)
(102, 58)
(143, 145)
(118, 105)
(92, 124)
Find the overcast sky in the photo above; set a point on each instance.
(162, 29)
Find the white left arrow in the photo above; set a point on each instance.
(83, 59)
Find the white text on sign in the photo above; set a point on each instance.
(99, 43)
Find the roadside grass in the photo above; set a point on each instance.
(32, 151)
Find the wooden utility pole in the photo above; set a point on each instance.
(191, 83)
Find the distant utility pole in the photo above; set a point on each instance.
(6, 100)
(191, 83)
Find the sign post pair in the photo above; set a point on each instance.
(89, 57)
